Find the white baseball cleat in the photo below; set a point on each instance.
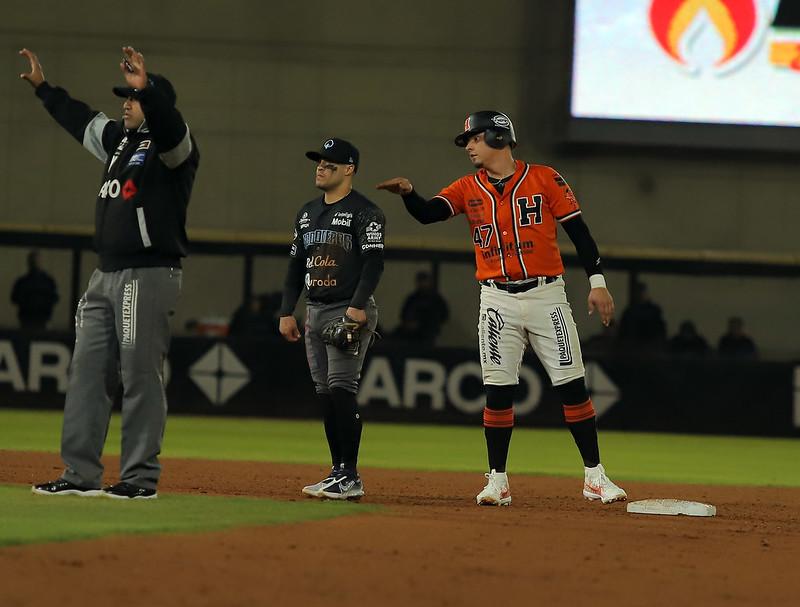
(597, 486)
(496, 491)
(316, 489)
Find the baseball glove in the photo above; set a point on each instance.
(343, 333)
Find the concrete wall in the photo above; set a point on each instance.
(261, 82)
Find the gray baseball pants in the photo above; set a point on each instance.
(122, 334)
(331, 367)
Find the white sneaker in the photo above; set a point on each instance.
(597, 486)
(496, 491)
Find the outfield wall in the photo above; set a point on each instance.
(262, 82)
(269, 378)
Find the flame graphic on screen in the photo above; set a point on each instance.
(734, 20)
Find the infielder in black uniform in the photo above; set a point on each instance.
(337, 254)
(122, 322)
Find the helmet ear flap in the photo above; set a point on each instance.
(496, 139)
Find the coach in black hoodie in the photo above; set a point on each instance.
(122, 321)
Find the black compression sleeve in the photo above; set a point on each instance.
(579, 234)
(293, 285)
(70, 113)
(371, 271)
(426, 211)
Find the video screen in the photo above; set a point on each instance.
(701, 62)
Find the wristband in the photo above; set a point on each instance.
(597, 281)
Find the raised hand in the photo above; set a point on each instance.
(132, 66)
(398, 185)
(36, 76)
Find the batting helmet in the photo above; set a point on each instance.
(499, 132)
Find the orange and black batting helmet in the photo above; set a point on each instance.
(499, 132)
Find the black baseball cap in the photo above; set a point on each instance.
(156, 81)
(336, 150)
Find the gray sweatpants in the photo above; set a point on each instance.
(122, 333)
(331, 367)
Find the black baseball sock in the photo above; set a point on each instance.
(329, 419)
(497, 443)
(498, 424)
(585, 435)
(348, 426)
(580, 417)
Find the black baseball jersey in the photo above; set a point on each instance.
(337, 252)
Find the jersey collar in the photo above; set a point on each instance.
(511, 184)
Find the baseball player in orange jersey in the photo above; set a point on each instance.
(513, 209)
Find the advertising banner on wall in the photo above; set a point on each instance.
(207, 376)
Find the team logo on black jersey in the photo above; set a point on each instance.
(332, 237)
(304, 221)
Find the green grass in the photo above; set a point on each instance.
(27, 518)
(627, 455)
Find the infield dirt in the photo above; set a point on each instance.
(429, 545)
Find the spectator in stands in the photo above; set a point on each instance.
(736, 343)
(602, 343)
(688, 342)
(35, 295)
(642, 325)
(257, 317)
(423, 314)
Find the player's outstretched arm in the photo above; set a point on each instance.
(132, 68)
(396, 185)
(165, 122)
(424, 211)
(36, 76)
(86, 125)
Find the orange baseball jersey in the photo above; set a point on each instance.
(514, 232)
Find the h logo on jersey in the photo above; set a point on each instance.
(527, 208)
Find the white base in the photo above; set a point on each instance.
(671, 507)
